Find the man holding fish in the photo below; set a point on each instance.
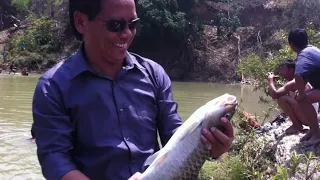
(97, 113)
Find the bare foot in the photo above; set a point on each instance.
(307, 136)
(315, 137)
(293, 130)
(314, 140)
(305, 130)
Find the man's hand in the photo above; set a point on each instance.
(219, 142)
(273, 92)
(271, 76)
(301, 86)
(301, 96)
(135, 176)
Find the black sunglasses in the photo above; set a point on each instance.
(120, 25)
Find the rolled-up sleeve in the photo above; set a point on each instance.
(303, 67)
(53, 128)
(169, 119)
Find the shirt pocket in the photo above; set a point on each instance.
(146, 109)
(145, 124)
(148, 112)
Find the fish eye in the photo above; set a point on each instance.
(228, 115)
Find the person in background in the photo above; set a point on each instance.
(21, 45)
(286, 95)
(4, 55)
(25, 71)
(12, 68)
(33, 138)
(307, 70)
(96, 115)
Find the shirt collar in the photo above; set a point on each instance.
(80, 63)
(304, 49)
(131, 62)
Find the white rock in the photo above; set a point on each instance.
(285, 146)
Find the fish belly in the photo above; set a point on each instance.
(183, 161)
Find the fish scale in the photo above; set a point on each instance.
(191, 155)
(184, 154)
(195, 162)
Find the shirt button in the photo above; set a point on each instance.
(121, 110)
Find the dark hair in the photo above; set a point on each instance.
(89, 7)
(291, 64)
(299, 38)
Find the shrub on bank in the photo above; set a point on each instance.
(255, 67)
(253, 157)
(32, 47)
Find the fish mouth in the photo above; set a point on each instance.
(230, 109)
(231, 106)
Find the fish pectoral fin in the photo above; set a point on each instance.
(190, 128)
(161, 159)
(151, 158)
(155, 157)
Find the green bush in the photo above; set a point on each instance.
(40, 40)
(168, 19)
(21, 5)
(227, 168)
(254, 67)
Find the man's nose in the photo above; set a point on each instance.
(126, 33)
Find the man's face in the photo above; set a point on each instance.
(286, 72)
(105, 43)
(293, 47)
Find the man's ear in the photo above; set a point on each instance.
(293, 47)
(80, 21)
(292, 70)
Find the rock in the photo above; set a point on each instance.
(286, 146)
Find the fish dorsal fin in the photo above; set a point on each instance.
(196, 119)
(151, 158)
(191, 124)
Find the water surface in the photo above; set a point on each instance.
(18, 158)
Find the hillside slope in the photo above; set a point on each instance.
(211, 57)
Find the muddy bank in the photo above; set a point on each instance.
(290, 153)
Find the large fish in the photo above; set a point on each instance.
(184, 154)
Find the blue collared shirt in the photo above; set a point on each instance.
(308, 65)
(106, 128)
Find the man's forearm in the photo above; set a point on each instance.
(300, 84)
(74, 175)
(272, 86)
(273, 90)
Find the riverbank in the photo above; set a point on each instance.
(19, 73)
(265, 156)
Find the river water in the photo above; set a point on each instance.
(18, 158)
